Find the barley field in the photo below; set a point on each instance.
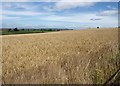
(87, 56)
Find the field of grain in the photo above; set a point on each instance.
(65, 57)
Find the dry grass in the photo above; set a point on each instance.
(67, 57)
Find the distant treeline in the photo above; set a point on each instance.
(7, 31)
(42, 29)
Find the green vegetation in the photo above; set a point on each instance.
(25, 31)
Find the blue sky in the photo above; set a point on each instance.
(72, 14)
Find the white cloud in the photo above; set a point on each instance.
(82, 20)
(110, 7)
(63, 4)
(108, 12)
(84, 0)
(24, 6)
(21, 13)
(106, 17)
(14, 0)
(69, 5)
(59, 1)
(85, 18)
(8, 17)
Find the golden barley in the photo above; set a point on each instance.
(69, 57)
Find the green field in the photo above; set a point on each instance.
(25, 31)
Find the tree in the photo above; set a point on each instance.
(23, 29)
(16, 29)
(49, 29)
(9, 30)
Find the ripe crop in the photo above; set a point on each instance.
(65, 57)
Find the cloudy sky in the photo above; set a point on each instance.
(58, 14)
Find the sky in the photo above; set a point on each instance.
(58, 14)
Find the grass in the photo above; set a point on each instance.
(26, 31)
(64, 57)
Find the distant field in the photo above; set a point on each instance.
(65, 57)
(25, 31)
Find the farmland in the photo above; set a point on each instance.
(88, 56)
(25, 31)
